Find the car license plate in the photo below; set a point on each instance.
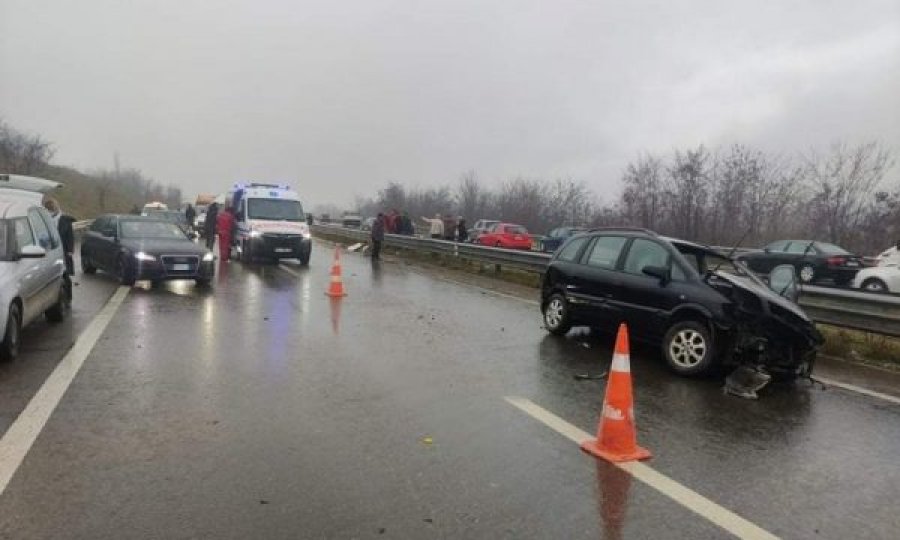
(852, 263)
(282, 250)
(181, 267)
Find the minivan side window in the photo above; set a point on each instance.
(644, 253)
(605, 252)
(570, 252)
(55, 239)
(40, 229)
(24, 237)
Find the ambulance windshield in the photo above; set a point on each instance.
(275, 210)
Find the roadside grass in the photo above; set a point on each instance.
(861, 347)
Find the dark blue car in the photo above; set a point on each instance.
(552, 241)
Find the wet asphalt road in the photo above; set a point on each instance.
(263, 409)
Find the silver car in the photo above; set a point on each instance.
(32, 263)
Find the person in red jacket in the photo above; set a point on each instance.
(225, 227)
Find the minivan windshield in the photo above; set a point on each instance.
(275, 210)
(706, 261)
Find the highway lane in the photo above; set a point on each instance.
(264, 409)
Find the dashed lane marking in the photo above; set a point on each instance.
(683, 495)
(20, 436)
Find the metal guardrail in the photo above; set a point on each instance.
(876, 313)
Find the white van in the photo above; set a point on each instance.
(270, 223)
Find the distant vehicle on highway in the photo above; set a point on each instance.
(351, 221)
(271, 223)
(32, 262)
(481, 226)
(152, 207)
(134, 248)
(813, 260)
(552, 241)
(506, 235)
(884, 278)
(367, 224)
(704, 310)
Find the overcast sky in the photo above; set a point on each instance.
(338, 97)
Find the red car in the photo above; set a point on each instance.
(506, 235)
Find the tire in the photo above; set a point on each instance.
(57, 312)
(9, 347)
(806, 273)
(304, 258)
(689, 349)
(556, 315)
(246, 256)
(126, 276)
(875, 285)
(86, 265)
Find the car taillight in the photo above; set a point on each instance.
(836, 261)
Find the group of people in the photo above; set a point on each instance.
(221, 224)
(394, 223)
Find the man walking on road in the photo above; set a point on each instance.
(377, 236)
(437, 226)
(209, 226)
(190, 214)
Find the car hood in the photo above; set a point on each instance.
(164, 246)
(765, 293)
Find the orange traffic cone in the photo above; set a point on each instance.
(616, 436)
(336, 288)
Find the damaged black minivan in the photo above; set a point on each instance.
(707, 311)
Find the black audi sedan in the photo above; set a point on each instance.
(144, 248)
(813, 260)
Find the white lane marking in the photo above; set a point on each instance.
(683, 495)
(290, 271)
(858, 389)
(17, 440)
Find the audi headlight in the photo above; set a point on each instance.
(209, 257)
(141, 256)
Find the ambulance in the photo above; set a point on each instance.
(270, 223)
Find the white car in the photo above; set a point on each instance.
(32, 262)
(883, 278)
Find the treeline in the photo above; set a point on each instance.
(84, 194)
(715, 196)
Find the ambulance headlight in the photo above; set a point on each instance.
(255, 234)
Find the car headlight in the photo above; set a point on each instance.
(255, 234)
(209, 257)
(141, 256)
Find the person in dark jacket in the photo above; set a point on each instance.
(190, 214)
(377, 236)
(209, 226)
(64, 224)
(462, 233)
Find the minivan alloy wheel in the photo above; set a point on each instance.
(687, 348)
(553, 315)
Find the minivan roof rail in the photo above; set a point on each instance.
(624, 229)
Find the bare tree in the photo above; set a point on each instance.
(21, 153)
(642, 195)
(687, 191)
(471, 198)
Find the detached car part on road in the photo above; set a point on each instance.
(705, 311)
(135, 248)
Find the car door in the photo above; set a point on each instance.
(28, 272)
(647, 300)
(599, 278)
(90, 241)
(108, 247)
(51, 266)
(796, 254)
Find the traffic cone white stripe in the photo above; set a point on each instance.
(620, 363)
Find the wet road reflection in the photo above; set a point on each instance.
(613, 487)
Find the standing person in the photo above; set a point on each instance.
(377, 236)
(190, 214)
(63, 224)
(225, 227)
(462, 233)
(209, 226)
(437, 226)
